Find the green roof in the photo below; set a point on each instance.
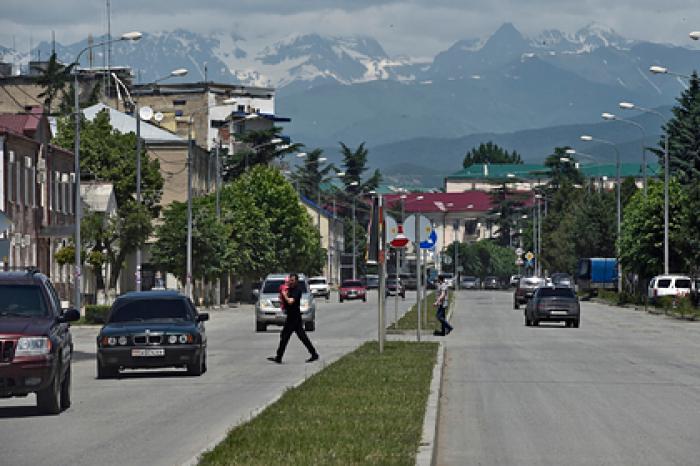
(533, 171)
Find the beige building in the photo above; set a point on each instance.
(332, 237)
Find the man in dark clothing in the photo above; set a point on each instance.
(292, 299)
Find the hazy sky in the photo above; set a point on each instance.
(410, 27)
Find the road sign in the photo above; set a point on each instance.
(430, 242)
(400, 240)
(529, 256)
(519, 261)
(424, 228)
(460, 268)
(447, 260)
(519, 252)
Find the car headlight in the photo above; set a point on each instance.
(122, 341)
(172, 339)
(266, 303)
(33, 346)
(184, 338)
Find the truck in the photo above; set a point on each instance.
(595, 273)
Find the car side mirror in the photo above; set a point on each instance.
(256, 293)
(69, 315)
(202, 317)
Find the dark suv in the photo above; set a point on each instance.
(35, 341)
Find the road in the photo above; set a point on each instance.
(624, 389)
(165, 417)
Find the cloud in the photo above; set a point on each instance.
(408, 27)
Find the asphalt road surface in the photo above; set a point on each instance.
(166, 417)
(624, 389)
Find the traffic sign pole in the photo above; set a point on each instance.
(418, 276)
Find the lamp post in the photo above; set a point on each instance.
(175, 73)
(695, 35)
(612, 117)
(631, 106)
(655, 69)
(134, 36)
(587, 138)
(190, 145)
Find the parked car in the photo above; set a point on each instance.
(491, 283)
(514, 279)
(449, 279)
(352, 289)
(320, 287)
(394, 287)
(526, 288)
(669, 285)
(268, 308)
(371, 281)
(36, 346)
(469, 283)
(553, 303)
(410, 282)
(562, 279)
(152, 329)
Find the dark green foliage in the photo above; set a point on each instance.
(490, 153)
(96, 313)
(261, 152)
(54, 81)
(309, 177)
(482, 259)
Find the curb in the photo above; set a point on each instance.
(426, 451)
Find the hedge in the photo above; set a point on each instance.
(96, 313)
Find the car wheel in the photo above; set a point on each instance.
(310, 326)
(527, 322)
(516, 305)
(575, 323)
(197, 368)
(106, 372)
(48, 400)
(535, 322)
(341, 300)
(260, 327)
(204, 362)
(65, 390)
(364, 299)
(328, 297)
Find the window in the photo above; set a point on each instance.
(10, 178)
(682, 283)
(179, 113)
(150, 309)
(663, 283)
(32, 175)
(22, 301)
(179, 102)
(18, 183)
(27, 185)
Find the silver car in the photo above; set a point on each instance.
(268, 308)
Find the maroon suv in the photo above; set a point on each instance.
(35, 341)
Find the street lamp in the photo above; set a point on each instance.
(134, 36)
(619, 205)
(655, 69)
(175, 73)
(695, 35)
(188, 277)
(631, 106)
(612, 117)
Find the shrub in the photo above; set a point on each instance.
(96, 313)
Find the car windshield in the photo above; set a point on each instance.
(531, 282)
(149, 309)
(273, 286)
(351, 283)
(469, 279)
(317, 281)
(391, 281)
(22, 301)
(558, 292)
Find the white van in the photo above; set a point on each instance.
(669, 285)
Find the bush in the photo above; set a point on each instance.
(96, 313)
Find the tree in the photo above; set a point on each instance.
(210, 250)
(683, 133)
(53, 80)
(108, 155)
(562, 172)
(354, 166)
(641, 245)
(309, 176)
(261, 151)
(490, 153)
(507, 207)
(270, 229)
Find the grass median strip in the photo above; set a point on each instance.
(365, 408)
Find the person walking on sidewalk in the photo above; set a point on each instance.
(442, 302)
(293, 324)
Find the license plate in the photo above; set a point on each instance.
(558, 313)
(148, 352)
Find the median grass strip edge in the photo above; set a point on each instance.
(365, 408)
